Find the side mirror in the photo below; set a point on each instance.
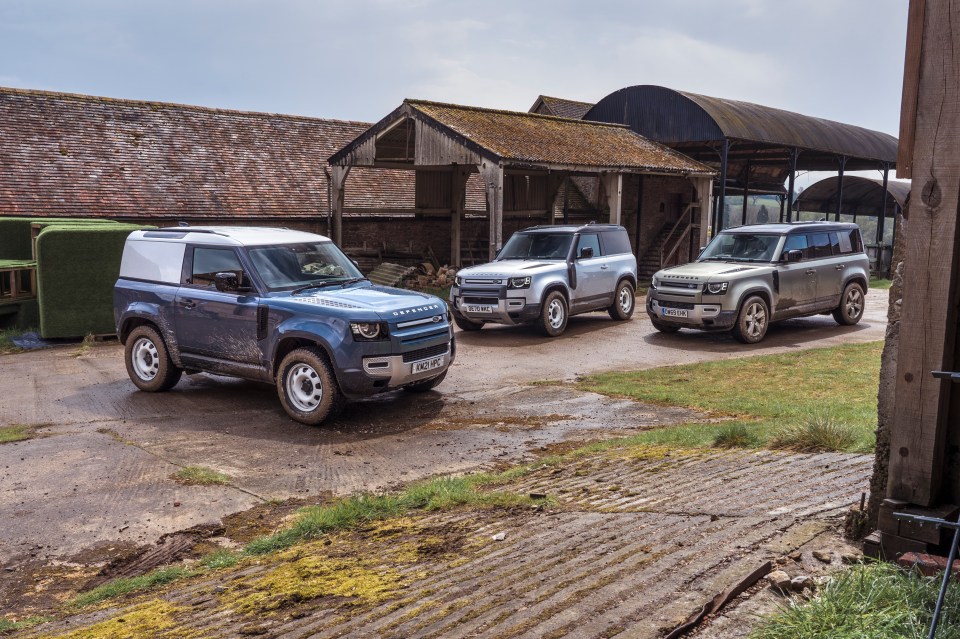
(795, 255)
(227, 282)
(586, 253)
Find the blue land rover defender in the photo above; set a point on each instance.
(277, 306)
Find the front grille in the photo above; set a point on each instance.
(669, 304)
(425, 353)
(473, 299)
(687, 285)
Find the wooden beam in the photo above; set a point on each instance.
(911, 88)
(929, 323)
(338, 178)
(613, 189)
(458, 192)
(493, 181)
(704, 187)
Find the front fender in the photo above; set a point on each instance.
(330, 334)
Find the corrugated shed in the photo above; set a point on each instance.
(529, 139)
(560, 107)
(84, 156)
(861, 196)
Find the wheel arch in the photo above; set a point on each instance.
(290, 343)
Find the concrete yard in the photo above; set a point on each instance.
(634, 545)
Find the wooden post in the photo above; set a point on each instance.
(338, 176)
(492, 175)
(458, 194)
(613, 189)
(704, 187)
(929, 323)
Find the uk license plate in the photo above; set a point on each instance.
(673, 312)
(428, 364)
(480, 308)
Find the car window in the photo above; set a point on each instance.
(616, 243)
(741, 247)
(795, 243)
(850, 241)
(589, 240)
(820, 246)
(530, 246)
(207, 262)
(835, 243)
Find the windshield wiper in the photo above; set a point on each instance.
(352, 280)
(306, 287)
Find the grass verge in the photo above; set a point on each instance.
(872, 601)
(16, 433)
(764, 398)
(199, 476)
(128, 585)
(879, 283)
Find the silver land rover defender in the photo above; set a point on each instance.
(752, 275)
(544, 274)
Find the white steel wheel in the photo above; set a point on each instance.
(751, 326)
(553, 315)
(148, 362)
(624, 302)
(307, 387)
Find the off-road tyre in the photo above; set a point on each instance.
(851, 305)
(664, 328)
(148, 361)
(466, 325)
(752, 321)
(425, 385)
(624, 302)
(307, 387)
(553, 315)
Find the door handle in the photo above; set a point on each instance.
(811, 271)
(604, 267)
(839, 267)
(188, 304)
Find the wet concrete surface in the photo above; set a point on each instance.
(99, 470)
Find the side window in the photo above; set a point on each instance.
(207, 262)
(591, 240)
(795, 243)
(616, 243)
(846, 245)
(820, 246)
(835, 244)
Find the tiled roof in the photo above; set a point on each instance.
(527, 138)
(561, 107)
(75, 155)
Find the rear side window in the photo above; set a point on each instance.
(589, 240)
(850, 241)
(819, 245)
(207, 262)
(835, 243)
(616, 243)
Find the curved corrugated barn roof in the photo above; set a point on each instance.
(861, 196)
(687, 120)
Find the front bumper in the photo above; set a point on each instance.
(704, 316)
(500, 306)
(400, 370)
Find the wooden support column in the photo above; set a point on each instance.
(458, 195)
(722, 195)
(929, 323)
(338, 177)
(613, 189)
(843, 165)
(704, 187)
(492, 175)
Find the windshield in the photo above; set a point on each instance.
(287, 266)
(741, 247)
(537, 246)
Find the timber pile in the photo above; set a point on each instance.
(388, 274)
(427, 276)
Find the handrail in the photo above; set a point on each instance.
(686, 232)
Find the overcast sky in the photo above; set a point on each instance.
(358, 59)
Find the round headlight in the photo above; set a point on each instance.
(715, 288)
(457, 281)
(366, 330)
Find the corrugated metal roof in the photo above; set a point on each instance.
(561, 107)
(748, 121)
(516, 137)
(86, 156)
(861, 196)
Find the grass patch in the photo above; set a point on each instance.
(736, 435)
(766, 395)
(199, 476)
(818, 433)
(434, 494)
(6, 340)
(879, 283)
(16, 433)
(127, 585)
(8, 625)
(873, 601)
